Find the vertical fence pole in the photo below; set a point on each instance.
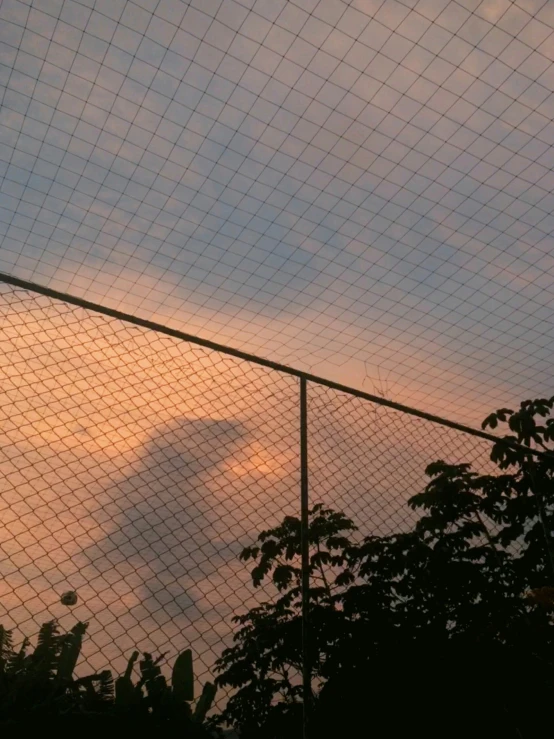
(305, 544)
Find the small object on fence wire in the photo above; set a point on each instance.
(69, 598)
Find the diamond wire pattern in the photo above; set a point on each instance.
(134, 469)
(371, 459)
(326, 183)
(136, 466)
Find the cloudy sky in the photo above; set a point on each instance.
(135, 468)
(362, 189)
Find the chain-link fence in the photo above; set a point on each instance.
(135, 467)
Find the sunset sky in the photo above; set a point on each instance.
(361, 189)
(135, 468)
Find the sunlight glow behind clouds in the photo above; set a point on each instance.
(135, 467)
(340, 186)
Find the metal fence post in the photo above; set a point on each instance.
(305, 544)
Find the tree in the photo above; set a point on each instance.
(448, 624)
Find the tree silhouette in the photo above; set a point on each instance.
(39, 691)
(443, 630)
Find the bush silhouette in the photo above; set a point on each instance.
(38, 689)
(443, 630)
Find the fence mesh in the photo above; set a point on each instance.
(135, 467)
(368, 459)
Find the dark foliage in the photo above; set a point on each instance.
(444, 630)
(38, 690)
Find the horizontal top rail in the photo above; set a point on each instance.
(277, 366)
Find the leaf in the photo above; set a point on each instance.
(283, 575)
(126, 695)
(6, 649)
(249, 553)
(46, 653)
(17, 659)
(204, 702)
(130, 664)
(106, 686)
(270, 548)
(182, 678)
(490, 421)
(70, 650)
(345, 578)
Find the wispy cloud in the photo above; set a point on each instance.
(322, 173)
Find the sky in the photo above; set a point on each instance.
(359, 189)
(135, 467)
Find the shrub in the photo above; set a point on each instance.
(38, 688)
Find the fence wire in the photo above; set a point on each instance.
(135, 467)
(337, 183)
(368, 460)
